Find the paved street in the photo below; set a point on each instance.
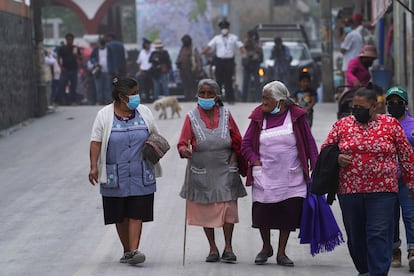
(52, 222)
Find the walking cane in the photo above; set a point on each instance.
(187, 173)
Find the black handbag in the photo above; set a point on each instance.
(155, 148)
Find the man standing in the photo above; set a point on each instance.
(188, 62)
(144, 67)
(119, 56)
(99, 63)
(68, 57)
(282, 58)
(160, 69)
(351, 46)
(225, 46)
(251, 65)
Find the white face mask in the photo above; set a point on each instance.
(224, 31)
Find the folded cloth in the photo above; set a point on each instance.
(318, 226)
(155, 148)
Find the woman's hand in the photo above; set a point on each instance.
(233, 158)
(411, 194)
(344, 160)
(93, 176)
(186, 153)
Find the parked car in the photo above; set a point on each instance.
(303, 59)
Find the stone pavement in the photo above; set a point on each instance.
(52, 221)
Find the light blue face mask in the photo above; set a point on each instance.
(275, 111)
(206, 104)
(134, 102)
(347, 29)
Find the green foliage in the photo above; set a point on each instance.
(154, 34)
(200, 8)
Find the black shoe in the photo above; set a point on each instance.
(262, 257)
(228, 257)
(284, 261)
(213, 257)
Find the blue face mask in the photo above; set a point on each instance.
(206, 104)
(134, 101)
(347, 29)
(275, 111)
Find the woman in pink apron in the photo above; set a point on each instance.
(279, 147)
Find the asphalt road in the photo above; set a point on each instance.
(52, 222)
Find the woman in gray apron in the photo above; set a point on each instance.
(214, 183)
(279, 146)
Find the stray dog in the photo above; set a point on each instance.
(164, 103)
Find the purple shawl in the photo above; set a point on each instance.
(318, 226)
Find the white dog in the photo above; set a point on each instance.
(164, 103)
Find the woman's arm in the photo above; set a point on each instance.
(94, 151)
(247, 147)
(186, 135)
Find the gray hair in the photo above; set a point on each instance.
(212, 83)
(277, 90)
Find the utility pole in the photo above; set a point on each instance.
(40, 100)
(327, 65)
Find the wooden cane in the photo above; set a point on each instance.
(187, 174)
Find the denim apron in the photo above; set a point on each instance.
(128, 174)
(281, 175)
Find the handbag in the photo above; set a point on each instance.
(155, 148)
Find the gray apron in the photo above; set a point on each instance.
(211, 177)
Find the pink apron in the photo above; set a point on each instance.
(281, 175)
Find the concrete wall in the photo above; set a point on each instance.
(17, 86)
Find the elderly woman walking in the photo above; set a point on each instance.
(278, 145)
(214, 183)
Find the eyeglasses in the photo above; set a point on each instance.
(391, 103)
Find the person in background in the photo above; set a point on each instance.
(99, 64)
(397, 106)
(306, 96)
(372, 147)
(214, 183)
(251, 64)
(51, 61)
(281, 151)
(144, 70)
(351, 46)
(348, 22)
(282, 58)
(118, 56)
(225, 45)
(357, 73)
(189, 64)
(127, 182)
(69, 57)
(160, 68)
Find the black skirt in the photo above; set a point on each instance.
(134, 207)
(284, 215)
